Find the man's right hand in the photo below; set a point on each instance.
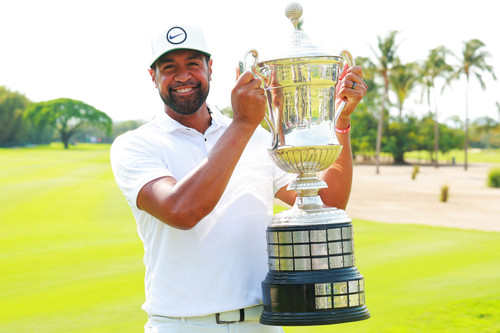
(248, 100)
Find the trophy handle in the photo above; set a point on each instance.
(347, 57)
(255, 70)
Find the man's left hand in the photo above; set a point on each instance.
(351, 87)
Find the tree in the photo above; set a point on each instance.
(403, 78)
(426, 129)
(483, 131)
(67, 117)
(472, 61)
(386, 56)
(124, 126)
(433, 67)
(401, 137)
(364, 120)
(364, 131)
(12, 106)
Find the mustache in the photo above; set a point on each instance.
(187, 83)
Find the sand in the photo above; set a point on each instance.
(393, 197)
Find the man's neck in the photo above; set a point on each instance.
(200, 120)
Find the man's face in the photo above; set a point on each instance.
(183, 80)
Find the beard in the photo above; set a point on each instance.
(186, 106)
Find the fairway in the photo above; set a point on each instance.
(70, 257)
(71, 260)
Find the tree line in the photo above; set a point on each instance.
(387, 75)
(376, 130)
(23, 122)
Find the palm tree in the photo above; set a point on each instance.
(386, 56)
(433, 67)
(473, 61)
(364, 134)
(403, 78)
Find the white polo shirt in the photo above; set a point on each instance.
(219, 264)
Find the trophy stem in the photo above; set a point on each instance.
(307, 186)
(309, 203)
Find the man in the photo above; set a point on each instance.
(201, 188)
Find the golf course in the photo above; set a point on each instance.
(71, 260)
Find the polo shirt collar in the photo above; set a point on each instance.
(167, 124)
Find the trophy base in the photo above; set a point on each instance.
(312, 278)
(314, 318)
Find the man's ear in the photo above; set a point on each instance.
(152, 72)
(210, 70)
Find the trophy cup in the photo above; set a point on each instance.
(312, 278)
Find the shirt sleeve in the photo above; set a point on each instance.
(281, 178)
(135, 163)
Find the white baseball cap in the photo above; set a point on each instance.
(178, 37)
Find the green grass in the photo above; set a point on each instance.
(70, 257)
(491, 156)
(426, 279)
(473, 156)
(71, 260)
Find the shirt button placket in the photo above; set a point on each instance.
(208, 145)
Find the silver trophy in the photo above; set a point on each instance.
(312, 278)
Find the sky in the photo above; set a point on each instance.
(98, 51)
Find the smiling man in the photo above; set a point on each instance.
(201, 188)
(186, 95)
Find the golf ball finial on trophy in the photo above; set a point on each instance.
(312, 278)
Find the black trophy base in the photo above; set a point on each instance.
(312, 278)
(287, 302)
(315, 318)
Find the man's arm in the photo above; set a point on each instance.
(339, 175)
(182, 204)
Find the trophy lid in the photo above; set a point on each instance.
(301, 44)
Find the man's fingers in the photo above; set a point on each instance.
(245, 78)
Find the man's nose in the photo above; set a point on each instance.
(182, 75)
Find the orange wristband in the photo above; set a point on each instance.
(343, 130)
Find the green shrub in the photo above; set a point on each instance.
(416, 169)
(444, 193)
(494, 178)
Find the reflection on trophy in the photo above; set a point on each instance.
(312, 278)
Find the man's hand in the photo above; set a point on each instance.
(353, 94)
(248, 100)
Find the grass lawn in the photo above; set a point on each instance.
(473, 156)
(71, 260)
(426, 279)
(70, 257)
